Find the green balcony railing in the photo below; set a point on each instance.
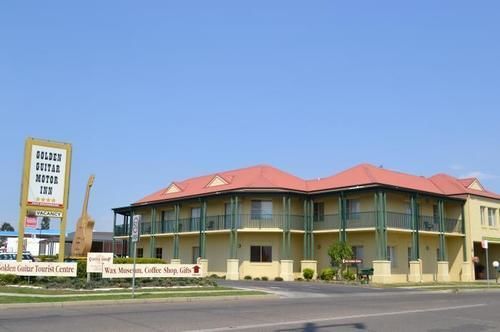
(453, 225)
(120, 230)
(145, 228)
(296, 222)
(328, 221)
(399, 220)
(361, 220)
(428, 223)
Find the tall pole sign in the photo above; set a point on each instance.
(44, 186)
(136, 222)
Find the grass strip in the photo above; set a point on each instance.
(31, 299)
(44, 291)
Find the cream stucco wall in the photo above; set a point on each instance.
(270, 270)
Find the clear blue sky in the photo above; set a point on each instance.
(155, 91)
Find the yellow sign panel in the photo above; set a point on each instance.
(45, 184)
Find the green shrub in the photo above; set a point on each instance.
(47, 258)
(256, 278)
(265, 278)
(81, 269)
(327, 274)
(248, 278)
(308, 273)
(278, 279)
(349, 275)
(9, 279)
(130, 260)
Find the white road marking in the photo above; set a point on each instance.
(304, 321)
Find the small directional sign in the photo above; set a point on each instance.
(136, 221)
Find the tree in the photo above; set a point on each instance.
(6, 227)
(338, 252)
(45, 224)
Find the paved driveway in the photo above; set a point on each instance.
(305, 289)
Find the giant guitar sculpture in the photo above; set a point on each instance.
(82, 242)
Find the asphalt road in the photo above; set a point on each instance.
(340, 309)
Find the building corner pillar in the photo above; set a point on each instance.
(286, 269)
(203, 262)
(381, 272)
(232, 269)
(466, 273)
(443, 274)
(415, 274)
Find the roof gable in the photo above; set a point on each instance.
(172, 189)
(476, 185)
(217, 181)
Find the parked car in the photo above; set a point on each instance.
(12, 256)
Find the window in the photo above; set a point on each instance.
(319, 211)
(353, 208)
(261, 254)
(359, 253)
(196, 254)
(492, 217)
(262, 210)
(159, 253)
(481, 211)
(195, 218)
(167, 215)
(435, 214)
(196, 213)
(227, 215)
(140, 252)
(408, 208)
(391, 255)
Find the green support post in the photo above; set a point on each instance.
(343, 218)
(113, 243)
(442, 239)
(465, 255)
(234, 227)
(152, 243)
(176, 231)
(203, 235)
(289, 234)
(283, 234)
(310, 235)
(286, 236)
(231, 229)
(415, 248)
(381, 222)
(306, 211)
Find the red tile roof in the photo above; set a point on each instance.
(264, 177)
(451, 186)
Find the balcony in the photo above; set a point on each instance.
(357, 220)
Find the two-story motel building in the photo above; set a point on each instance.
(261, 221)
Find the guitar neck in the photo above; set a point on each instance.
(86, 201)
